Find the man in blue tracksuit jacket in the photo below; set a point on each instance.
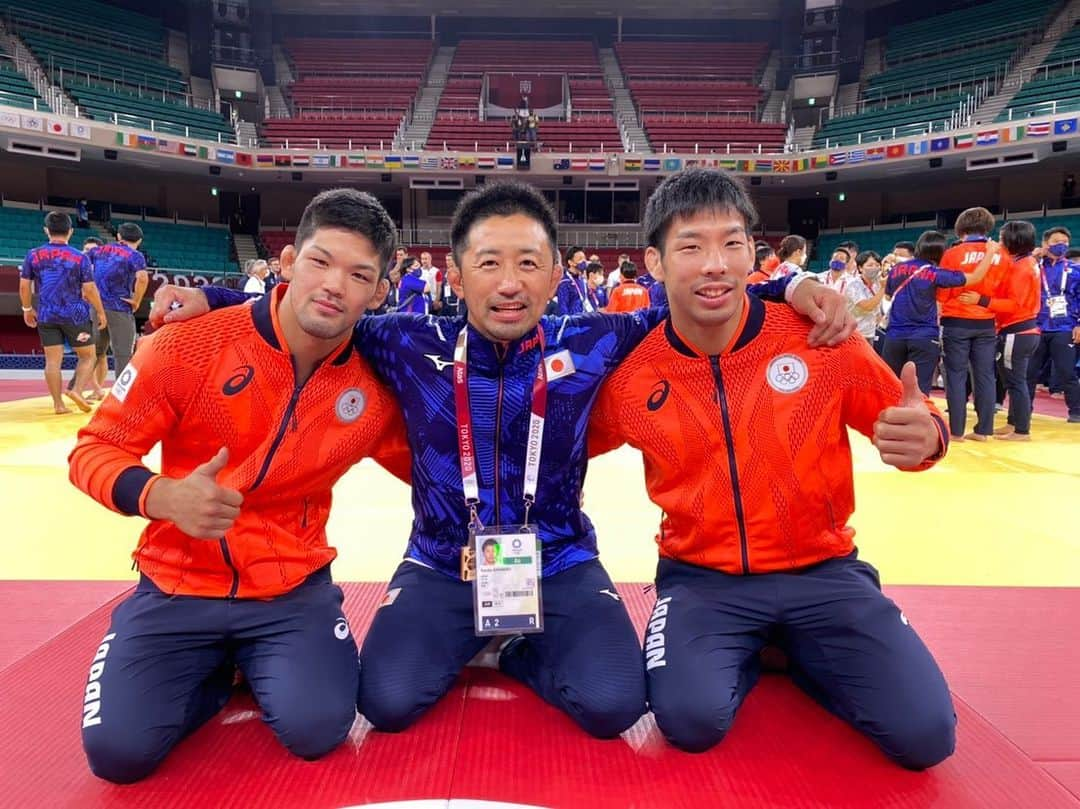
(587, 661)
(1059, 279)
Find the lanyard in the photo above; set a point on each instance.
(586, 304)
(467, 440)
(1064, 280)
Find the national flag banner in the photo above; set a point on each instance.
(1011, 134)
(54, 126)
(301, 161)
(894, 151)
(189, 150)
(244, 159)
(672, 164)
(485, 163)
(10, 119)
(320, 161)
(226, 156)
(262, 159)
(939, 144)
(429, 163)
(505, 161)
(354, 161)
(821, 161)
(856, 156)
(964, 141)
(802, 164)
(147, 142)
(918, 147)
(282, 160)
(781, 166)
(745, 166)
(987, 138)
(80, 130)
(170, 146)
(448, 163)
(411, 161)
(763, 165)
(728, 164)
(133, 141)
(467, 162)
(562, 164)
(838, 159)
(632, 164)
(1065, 127)
(651, 164)
(204, 153)
(876, 153)
(392, 161)
(579, 164)
(1039, 130)
(597, 163)
(35, 123)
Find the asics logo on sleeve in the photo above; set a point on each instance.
(439, 363)
(658, 395)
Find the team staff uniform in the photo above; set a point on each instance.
(250, 587)
(968, 333)
(1059, 322)
(746, 453)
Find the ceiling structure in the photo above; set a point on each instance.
(595, 9)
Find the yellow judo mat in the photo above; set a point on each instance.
(995, 513)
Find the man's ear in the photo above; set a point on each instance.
(654, 264)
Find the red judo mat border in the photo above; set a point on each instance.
(492, 739)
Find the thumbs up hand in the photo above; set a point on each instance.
(197, 504)
(906, 435)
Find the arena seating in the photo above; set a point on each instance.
(457, 121)
(958, 69)
(348, 93)
(882, 121)
(186, 247)
(113, 66)
(700, 96)
(15, 90)
(1055, 86)
(21, 230)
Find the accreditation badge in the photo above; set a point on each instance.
(506, 589)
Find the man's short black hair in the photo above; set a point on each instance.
(976, 221)
(843, 250)
(352, 210)
(1055, 230)
(931, 246)
(865, 256)
(692, 191)
(129, 232)
(628, 270)
(1018, 237)
(58, 223)
(594, 266)
(573, 251)
(909, 246)
(501, 199)
(851, 247)
(94, 240)
(489, 543)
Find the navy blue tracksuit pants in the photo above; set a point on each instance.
(970, 347)
(166, 666)
(587, 661)
(849, 647)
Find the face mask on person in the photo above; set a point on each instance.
(1058, 250)
(582, 265)
(837, 266)
(873, 273)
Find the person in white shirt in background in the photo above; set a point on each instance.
(615, 276)
(865, 293)
(432, 277)
(257, 272)
(792, 255)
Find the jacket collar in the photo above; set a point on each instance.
(264, 314)
(753, 319)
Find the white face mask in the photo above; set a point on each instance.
(872, 273)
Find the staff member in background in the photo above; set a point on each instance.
(1015, 304)
(792, 255)
(865, 293)
(1059, 320)
(912, 334)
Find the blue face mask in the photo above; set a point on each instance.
(837, 265)
(1058, 250)
(582, 265)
